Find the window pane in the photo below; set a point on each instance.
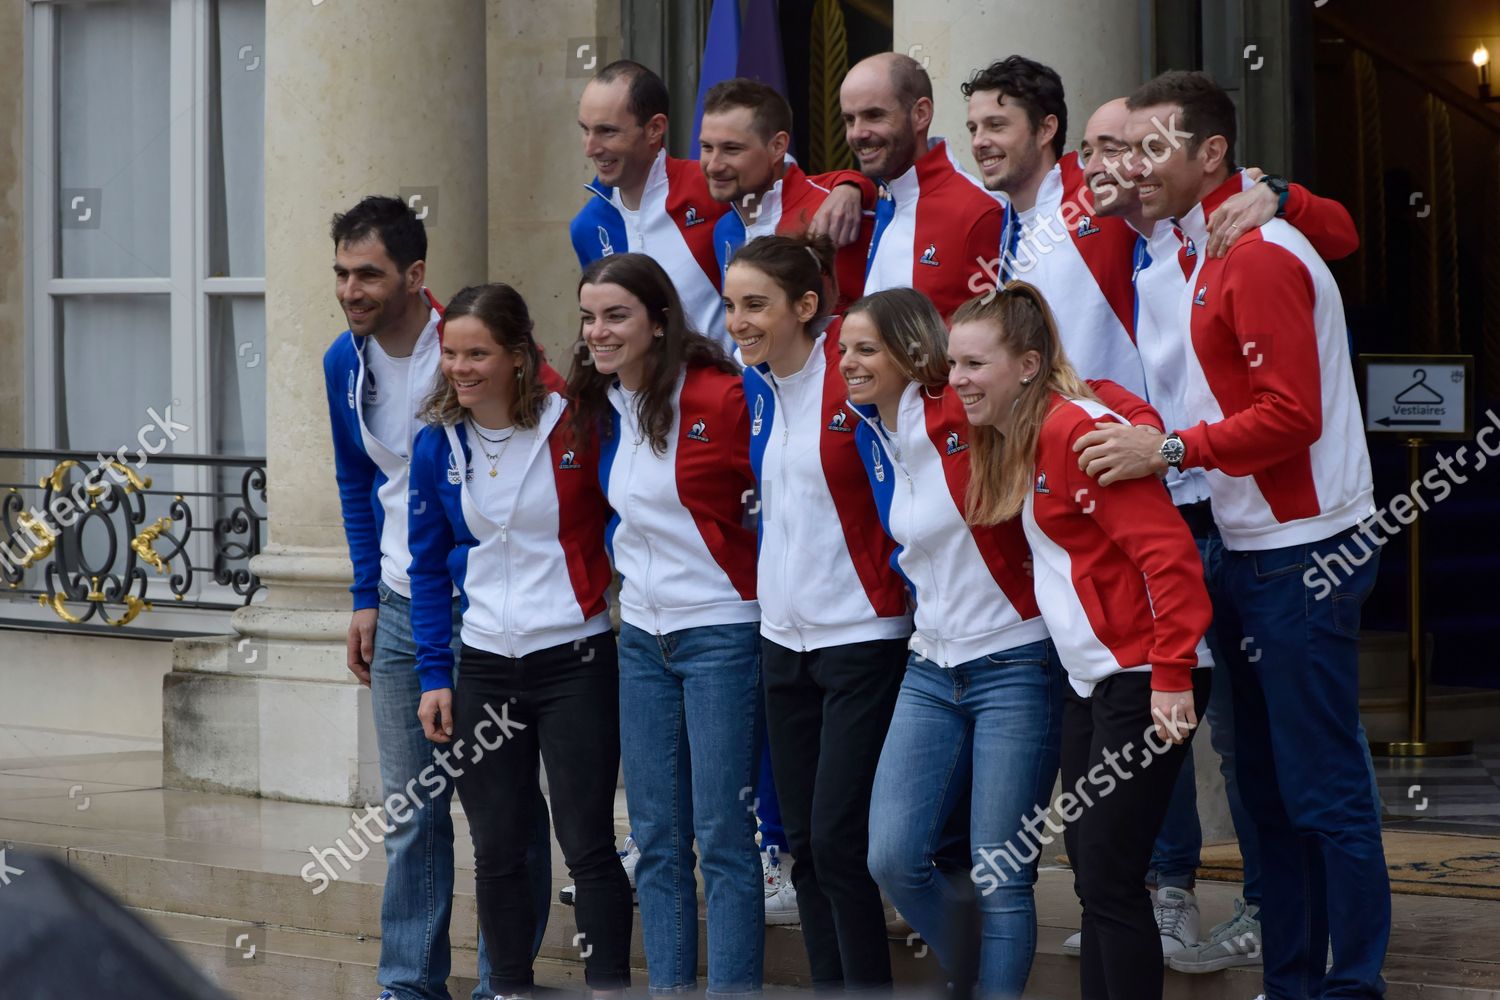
(112, 133)
(239, 374)
(236, 140)
(115, 362)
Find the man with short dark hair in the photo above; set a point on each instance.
(377, 374)
(743, 141)
(1278, 430)
(935, 226)
(1018, 122)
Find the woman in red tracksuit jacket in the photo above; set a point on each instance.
(1120, 586)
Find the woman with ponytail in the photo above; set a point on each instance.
(978, 714)
(834, 619)
(1120, 586)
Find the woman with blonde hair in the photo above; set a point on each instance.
(1120, 586)
(978, 713)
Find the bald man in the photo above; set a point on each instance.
(935, 225)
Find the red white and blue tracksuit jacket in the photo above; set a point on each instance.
(535, 582)
(787, 209)
(1165, 263)
(675, 227)
(1270, 390)
(1117, 574)
(972, 594)
(371, 477)
(825, 573)
(678, 536)
(936, 228)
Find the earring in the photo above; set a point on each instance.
(1026, 380)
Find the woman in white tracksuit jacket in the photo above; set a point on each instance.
(507, 508)
(834, 615)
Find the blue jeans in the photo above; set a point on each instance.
(1175, 858)
(1303, 768)
(418, 897)
(991, 726)
(691, 719)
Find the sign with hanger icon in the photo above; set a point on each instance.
(1418, 395)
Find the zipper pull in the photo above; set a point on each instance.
(504, 534)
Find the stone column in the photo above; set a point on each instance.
(540, 57)
(360, 99)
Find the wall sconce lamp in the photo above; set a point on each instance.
(1481, 60)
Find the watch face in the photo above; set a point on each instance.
(1173, 450)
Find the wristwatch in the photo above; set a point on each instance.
(1173, 451)
(1280, 186)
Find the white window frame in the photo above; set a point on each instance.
(191, 378)
(188, 285)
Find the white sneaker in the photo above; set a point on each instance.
(628, 858)
(1073, 945)
(1234, 942)
(1176, 913)
(781, 897)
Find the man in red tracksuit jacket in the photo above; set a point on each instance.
(936, 228)
(744, 139)
(1273, 417)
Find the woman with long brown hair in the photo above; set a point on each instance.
(667, 410)
(1120, 586)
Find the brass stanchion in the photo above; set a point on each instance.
(1416, 744)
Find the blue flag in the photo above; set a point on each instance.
(721, 57)
(760, 46)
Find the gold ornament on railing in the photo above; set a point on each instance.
(143, 544)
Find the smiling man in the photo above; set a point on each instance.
(377, 374)
(1270, 412)
(642, 200)
(935, 227)
(746, 131)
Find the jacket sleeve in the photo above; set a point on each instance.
(981, 249)
(355, 472)
(1138, 516)
(1127, 404)
(1326, 223)
(1266, 298)
(867, 190)
(431, 540)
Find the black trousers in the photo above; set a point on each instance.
(827, 712)
(1123, 781)
(561, 705)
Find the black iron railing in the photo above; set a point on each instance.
(105, 538)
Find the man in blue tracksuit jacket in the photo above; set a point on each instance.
(378, 373)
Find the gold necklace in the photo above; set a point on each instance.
(504, 443)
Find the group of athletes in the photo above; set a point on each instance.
(922, 487)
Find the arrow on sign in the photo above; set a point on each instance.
(1388, 422)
